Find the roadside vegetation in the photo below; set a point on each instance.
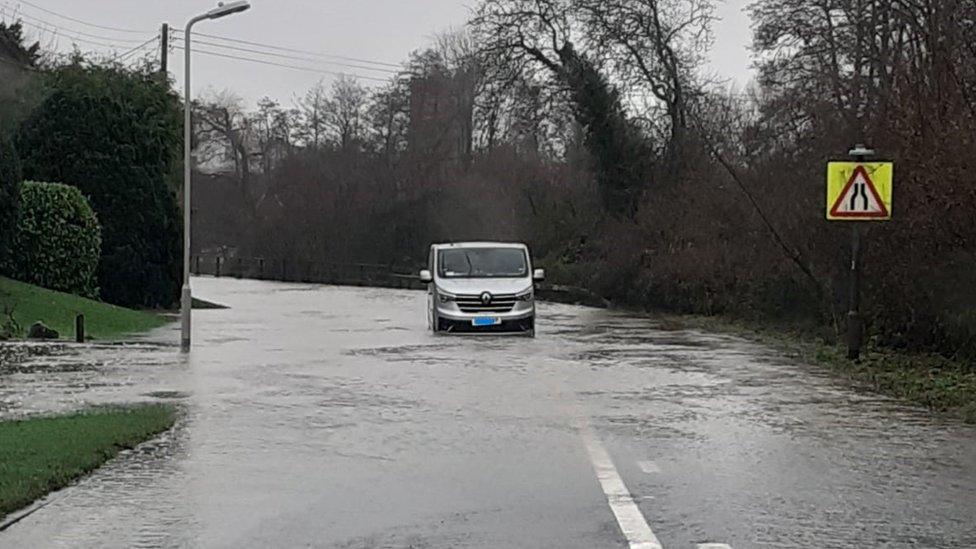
(116, 135)
(43, 454)
(23, 304)
(107, 141)
(941, 384)
(57, 241)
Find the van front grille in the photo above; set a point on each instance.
(475, 304)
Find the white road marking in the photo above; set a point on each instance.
(632, 523)
(649, 467)
(714, 546)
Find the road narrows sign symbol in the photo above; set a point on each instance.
(859, 191)
(859, 198)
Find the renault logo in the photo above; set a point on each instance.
(486, 298)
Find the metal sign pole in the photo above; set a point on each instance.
(855, 325)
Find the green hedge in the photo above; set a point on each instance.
(57, 242)
(9, 191)
(117, 135)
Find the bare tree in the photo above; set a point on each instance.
(388, 117)
(222, 131)
(465, 65)
(312, 125)
(347, 112)
(272, 128)
(524, 35)
(654, 46)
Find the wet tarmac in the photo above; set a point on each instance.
(328, 417)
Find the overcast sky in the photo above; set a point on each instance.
(383, 31)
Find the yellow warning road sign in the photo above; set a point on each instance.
(859, 191)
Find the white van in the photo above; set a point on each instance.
(481, 287)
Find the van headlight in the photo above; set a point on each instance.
(445, 298)
(526, 296)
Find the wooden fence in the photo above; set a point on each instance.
(355, 274)
(290, 270)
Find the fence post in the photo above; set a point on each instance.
(198, 265)
(240, 268)
(80, 328)
(217, 267)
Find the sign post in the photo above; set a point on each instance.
(858, 191)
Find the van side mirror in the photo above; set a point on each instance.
(539, 275)
(425, 276)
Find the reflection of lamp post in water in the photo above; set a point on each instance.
(186, 299)
(854, 324)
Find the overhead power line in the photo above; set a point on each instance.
(100, 40)
(13, 13)
(63, 34)
(212, 36)
(122, 56)
(293, 50)
(86, 23)
(282, 65)
(294, 58)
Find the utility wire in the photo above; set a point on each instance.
(110, 42)
(63, 34)
(282, 65)
(13, 13)
(292, 57)
(293, 50)
(86, 23)
(122, 56)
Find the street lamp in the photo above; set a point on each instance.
(186, 300)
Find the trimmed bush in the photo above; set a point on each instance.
(116, 135)
(57, 242)
(9, 192)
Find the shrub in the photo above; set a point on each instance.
(57, 241)
(116, 135)
(9, 192)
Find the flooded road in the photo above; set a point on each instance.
(328, 417)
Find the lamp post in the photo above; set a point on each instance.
(186, 299)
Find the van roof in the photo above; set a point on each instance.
(516, 245)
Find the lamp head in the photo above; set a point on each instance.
(223, 10)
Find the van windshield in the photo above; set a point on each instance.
(483, 263)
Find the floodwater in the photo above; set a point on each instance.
(317, 416)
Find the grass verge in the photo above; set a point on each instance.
(933, 381)
(40, 455)
(58, 310)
